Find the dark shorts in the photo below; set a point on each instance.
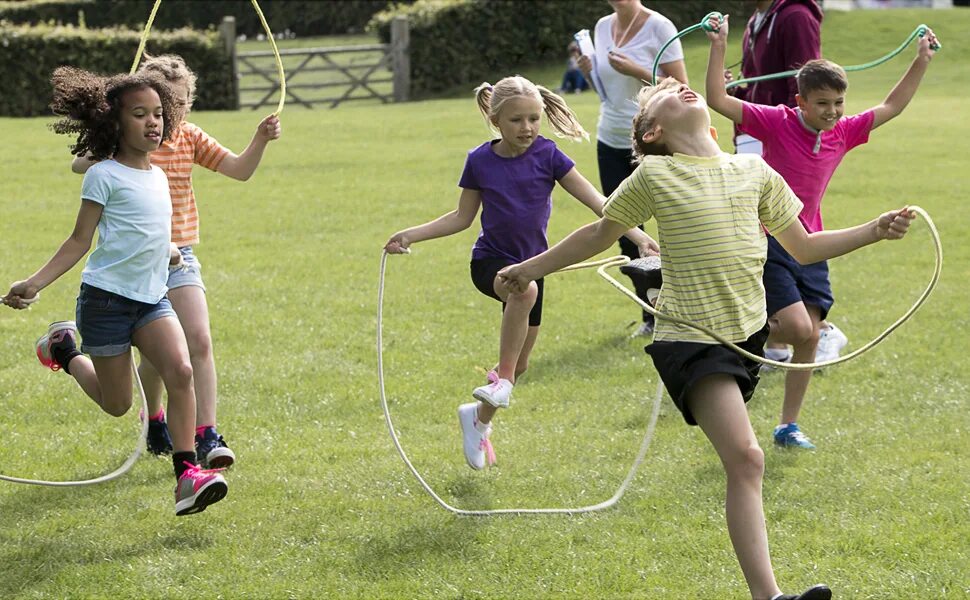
(787, 282)
(106, 321)
(682, 364)
(483, 276)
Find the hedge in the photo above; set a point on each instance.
(302, 17)
(460, 41)
(28, 56)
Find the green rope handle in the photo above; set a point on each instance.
(702, 25)
(269, 36)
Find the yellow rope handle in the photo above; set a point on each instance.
(606, 263)
(269, 36)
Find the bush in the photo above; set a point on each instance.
(37, 51)
(302, 17)
(458, 41)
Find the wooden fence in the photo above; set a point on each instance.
(324, 76)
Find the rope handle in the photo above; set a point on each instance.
(27, 301)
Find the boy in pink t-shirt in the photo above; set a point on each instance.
(805, 145)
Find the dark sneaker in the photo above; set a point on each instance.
(159, 442)
(196, 489)
(212, 450)
(60, 334)
(816, 592)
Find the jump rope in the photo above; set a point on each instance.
(140, 442)
(603, 264)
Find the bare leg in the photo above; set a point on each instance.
(190, 305)
(163, 344)
(719, 409)
(798, 325)
(106, 380)
(151, 381)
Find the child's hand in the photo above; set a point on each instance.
(720, 30)
(514, 279)
(926, 46)
(269, 129)
(175, 259)
(894, 224)
(21, 295)
(398, 244)
(649, 248)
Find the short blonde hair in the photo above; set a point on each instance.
(173, 69)
(644, 121)
(563, 120)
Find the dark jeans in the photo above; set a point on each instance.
(616, 164)
(573, 80)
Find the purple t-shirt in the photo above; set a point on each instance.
(805, 159)
(516, 197)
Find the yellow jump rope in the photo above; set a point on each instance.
(140, 443)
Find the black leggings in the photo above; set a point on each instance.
(616, 164)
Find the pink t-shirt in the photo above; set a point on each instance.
(804, 158)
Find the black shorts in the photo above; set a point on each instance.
(787, 282)
(483, 276)
(682, 364)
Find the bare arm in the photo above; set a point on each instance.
(581, 189)
(717, 95)
(71, 251)
(808, 248)
(243, 166)
(579, 245)
(457, 220)
(905, 89)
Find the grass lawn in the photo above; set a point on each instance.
(320, 504)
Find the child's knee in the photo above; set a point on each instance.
(528, 296)
(179, 373)
(200, 343)
(116, 405)
(748, 462)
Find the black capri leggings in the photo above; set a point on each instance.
(483, 276)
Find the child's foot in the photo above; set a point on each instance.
(159, 442)
(196, 489)
(61, 335)
(212, 450)
(790, 436)
(477, 447)
(497, 392)
(831, 340)
(777, 354)
(644, 330)
(816, 592)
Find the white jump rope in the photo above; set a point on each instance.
(601, 266)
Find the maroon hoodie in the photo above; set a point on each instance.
(789, 36)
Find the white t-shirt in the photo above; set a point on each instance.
(618, 91)
(134, 233)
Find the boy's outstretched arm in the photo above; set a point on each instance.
(717, 96)
(808, 248)
(579, 245)
(905, 89)
(243, 166)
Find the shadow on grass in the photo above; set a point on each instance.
(411, 547)
(593, 359)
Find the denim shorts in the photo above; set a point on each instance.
(106, 321)
(190, 273)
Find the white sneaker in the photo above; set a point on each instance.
(778, 354)
(497, 392)
(644, 330)
(830, 343)
(475, 443)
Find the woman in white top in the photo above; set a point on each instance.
(626, 44)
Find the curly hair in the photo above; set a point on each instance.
(90, 107)
(173, 69)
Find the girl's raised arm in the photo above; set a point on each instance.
(447, 224)
(72, 250)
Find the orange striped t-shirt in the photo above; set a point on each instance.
(189, 145)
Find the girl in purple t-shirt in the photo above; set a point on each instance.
(511, 178)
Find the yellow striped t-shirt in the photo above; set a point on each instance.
(709, 213)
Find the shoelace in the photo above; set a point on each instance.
(492, 377)
(486, 445)
(196, 472)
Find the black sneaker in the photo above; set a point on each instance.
(644, 271)
(159, 442)
(816, 592)
(212, 451)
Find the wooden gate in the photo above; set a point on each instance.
(328, 76)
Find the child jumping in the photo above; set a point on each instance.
(710, 209)
(186, 291)
(805, 145)
(511, 179)
(120, 121)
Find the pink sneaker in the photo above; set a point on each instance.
(60, 333)
(197, 489)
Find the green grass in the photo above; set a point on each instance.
(320, 504)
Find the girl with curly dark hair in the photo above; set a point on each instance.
(121, 120)
(190, 146)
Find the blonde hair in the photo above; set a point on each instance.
(644, 121)
(173, 69)
(563, 120)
